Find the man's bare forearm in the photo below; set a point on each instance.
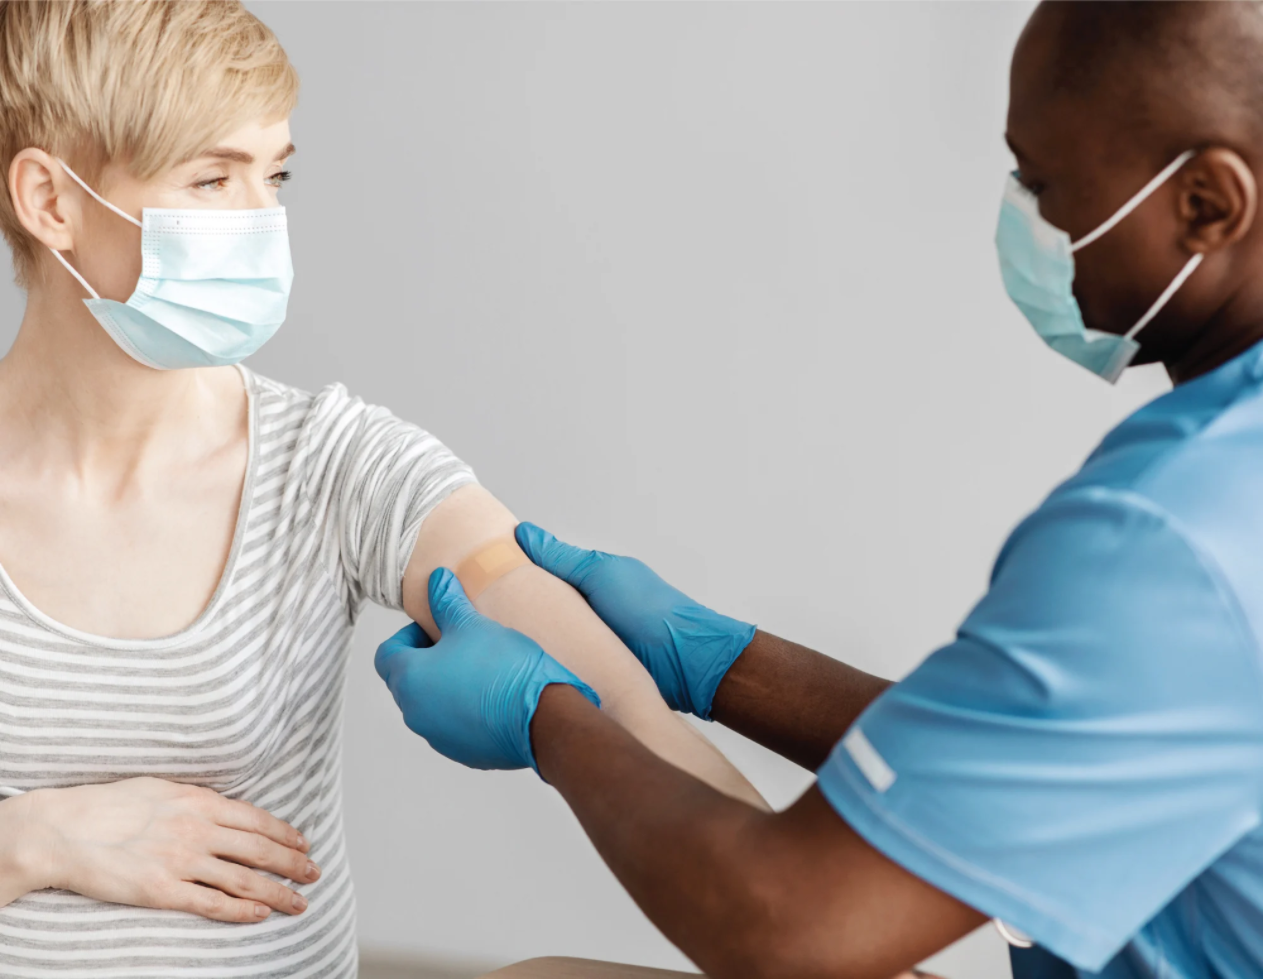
(681, 849)
(791, 699)
(745, 894)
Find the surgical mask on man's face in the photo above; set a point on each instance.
(214, 285)
(1037, 265)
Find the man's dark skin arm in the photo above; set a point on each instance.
(791, 699)
(745, 894)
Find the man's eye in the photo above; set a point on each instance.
(1034, 186)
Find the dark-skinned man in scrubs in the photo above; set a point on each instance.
(1084, 763)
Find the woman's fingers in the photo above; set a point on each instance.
(258, 851)
(150, 843)
(212, 903)
(236, 881)
(251, 819)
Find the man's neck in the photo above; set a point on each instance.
(1235, 327)
(1204, 358)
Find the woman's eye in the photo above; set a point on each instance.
(279, 178)
(215, 183)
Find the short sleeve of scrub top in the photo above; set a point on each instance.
(1091, 741)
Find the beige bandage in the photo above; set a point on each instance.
(494, 561)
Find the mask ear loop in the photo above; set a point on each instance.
(75, 272)
(1111, 222)
(95, 196)
(100, 200)
(1137, 199)
(1189, 268)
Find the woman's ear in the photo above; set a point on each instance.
(1218, 200)
(34, 188)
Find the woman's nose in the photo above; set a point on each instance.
(259, 197)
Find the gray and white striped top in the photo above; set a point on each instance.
(247, 700)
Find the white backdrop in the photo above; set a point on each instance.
(713, 284)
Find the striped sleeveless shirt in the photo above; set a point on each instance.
(247, 700)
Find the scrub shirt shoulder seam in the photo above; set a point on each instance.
(1168, 454)
(1135, 500)
(1163, 459)
(1213, 572)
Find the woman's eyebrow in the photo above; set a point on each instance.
(241, 156)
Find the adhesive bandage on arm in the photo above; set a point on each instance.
(489, 564)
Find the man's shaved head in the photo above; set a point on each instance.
(1103, 96)
(1170, 74)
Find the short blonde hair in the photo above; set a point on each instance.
(146, 84)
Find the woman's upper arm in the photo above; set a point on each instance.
(527, 599)
(467, 519)
(556, 616)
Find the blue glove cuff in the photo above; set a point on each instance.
(548, 672)
(709, 682)
(707, 644)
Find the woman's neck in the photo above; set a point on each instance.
(69, 387)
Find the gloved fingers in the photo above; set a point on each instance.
(412, 635)
(448, 603)
(390, 653)
(565, 561)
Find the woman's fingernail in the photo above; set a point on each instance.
(312, 870)
(301, 842)
(261, 910)
(299, 903)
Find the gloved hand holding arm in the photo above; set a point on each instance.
(473, 693)
(556, 617)
(708, 869)
(788, 698)
(686, 647)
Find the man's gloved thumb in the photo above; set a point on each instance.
(448, 604)
(561, 560)
(392, 653)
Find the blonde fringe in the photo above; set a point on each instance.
(144, 83)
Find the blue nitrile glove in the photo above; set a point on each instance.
(473, 693)
(685, 646)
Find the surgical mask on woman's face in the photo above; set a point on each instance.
(213, 287)
(1037, 265)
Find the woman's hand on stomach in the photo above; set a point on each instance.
(154, 844)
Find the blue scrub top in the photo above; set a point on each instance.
(1085, 761)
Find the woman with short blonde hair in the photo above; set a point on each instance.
(184, 545)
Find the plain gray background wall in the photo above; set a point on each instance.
(713, 284)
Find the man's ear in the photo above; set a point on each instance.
(1218, 200)
(35, 182)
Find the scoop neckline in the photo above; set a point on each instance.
(29, 609)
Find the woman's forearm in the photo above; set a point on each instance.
(556, 616)
(23, 848)
(146, 842)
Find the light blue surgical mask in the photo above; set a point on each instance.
(1037, 265)
(213, 287)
